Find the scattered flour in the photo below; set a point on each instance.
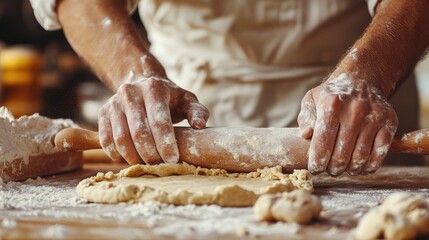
(44, 198)
(354, 53)
(382, 150)
(106, 22)
(56, 231)
(419, 137)
(9, 223)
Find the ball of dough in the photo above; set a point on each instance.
(420, 219)
(371, 225)
(297, 207)
(262, 207)
(400, 216)
(397, 227)
(403, 203)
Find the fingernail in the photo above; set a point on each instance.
(315, 169)
(372, 167)
(198, 123)
(172, 159)
(306, 132)
(335, 172)
(354, 172)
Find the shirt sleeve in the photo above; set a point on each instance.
(44, 11)
(372, 5)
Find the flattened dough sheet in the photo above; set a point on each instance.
(182, 184)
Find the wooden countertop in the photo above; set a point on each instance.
(48, 209)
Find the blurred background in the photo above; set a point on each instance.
(41, 73)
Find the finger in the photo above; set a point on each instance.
(196, 113)
(362, 150)
(307, 116)
(122, 138)
(379, 151)
(106, 138)
(159, 118)
(323, 141)
(346, 139)
(139, 127)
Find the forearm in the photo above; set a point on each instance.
(391, 46)
(107, 39)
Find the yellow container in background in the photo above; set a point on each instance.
(21, 68)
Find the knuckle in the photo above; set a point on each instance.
(140, 134)
(103, 123)
(189, 96)
(361, 107)
(373, 118)
(106, 108)
(159, 123)
(121, 139)
(153, 84)
(124, 89)
(128, 92)
(361, 111)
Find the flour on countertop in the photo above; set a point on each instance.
(8, 223)
(49, 198)
(28, 135)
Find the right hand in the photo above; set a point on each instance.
(136, 123)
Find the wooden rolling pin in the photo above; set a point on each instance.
(240, 149)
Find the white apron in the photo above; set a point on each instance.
(251, 61)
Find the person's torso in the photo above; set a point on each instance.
(252, 40)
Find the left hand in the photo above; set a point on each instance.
(351, 124)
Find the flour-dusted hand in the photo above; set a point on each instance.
(351, 124)
(137, 122)
(348, 117)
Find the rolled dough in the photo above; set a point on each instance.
(182, 184)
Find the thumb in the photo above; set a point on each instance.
(307, 115)
(196, 113)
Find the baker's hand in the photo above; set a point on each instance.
(351, 124)
(136, 123)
